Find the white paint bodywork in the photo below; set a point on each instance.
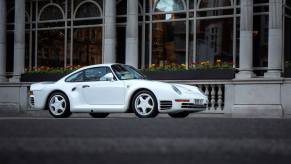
(113, 96)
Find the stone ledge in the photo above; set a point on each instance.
(9, 84)
(258, 81)
(257, 111)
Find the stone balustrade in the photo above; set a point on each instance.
(215, 93)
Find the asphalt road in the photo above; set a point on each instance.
(144, 141)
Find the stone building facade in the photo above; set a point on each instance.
(253, 35)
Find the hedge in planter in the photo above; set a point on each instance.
(195, 74)
(39, 77)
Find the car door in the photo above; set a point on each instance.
(96, 90)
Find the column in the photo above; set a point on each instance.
(246, 41)
(2, 40)
(275, 49)
(109, 55)
(19, 40)
(131, 56)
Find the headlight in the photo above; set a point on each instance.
(176, 90)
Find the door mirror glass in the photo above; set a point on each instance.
(107, 77)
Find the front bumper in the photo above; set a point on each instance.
(32, 103)
(192, 106)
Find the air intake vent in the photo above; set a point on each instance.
(32, 101)
(166, 105)
(192, 106)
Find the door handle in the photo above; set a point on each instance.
(85, 86)
(73, 89)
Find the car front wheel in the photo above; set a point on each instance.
(59, 105)
(144, 104)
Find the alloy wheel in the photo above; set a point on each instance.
(57, 105)
(144, 104)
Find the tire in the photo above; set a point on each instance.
(99, 115)
(144, 104)
(179, 115)
(59, 105)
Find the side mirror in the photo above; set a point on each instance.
(108, 77)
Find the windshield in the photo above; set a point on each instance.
(126, 72)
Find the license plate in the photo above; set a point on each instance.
(198, 101)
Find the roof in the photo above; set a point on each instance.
(99, 65)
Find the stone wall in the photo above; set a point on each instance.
(259, 97)
(13, 97)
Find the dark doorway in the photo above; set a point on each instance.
(120, 45)
(10, 52)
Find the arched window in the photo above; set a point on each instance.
(88, 9)
(51, 12)
(169, 5)
(214, 3)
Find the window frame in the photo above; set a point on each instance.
(108, 70)
(101, 67)
(82, 72)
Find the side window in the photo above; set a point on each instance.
(77, 77)
(95, 74)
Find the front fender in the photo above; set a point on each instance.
(161, 92)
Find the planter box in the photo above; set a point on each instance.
(39, 77)
(213, 74)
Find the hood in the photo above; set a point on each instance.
(189, 89)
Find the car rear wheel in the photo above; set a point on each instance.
(144, 104)
(179, 115)
(59, 105)
(99, 115)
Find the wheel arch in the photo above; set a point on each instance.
(52, 92)
(129, 110)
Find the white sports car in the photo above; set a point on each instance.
(115, 88)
